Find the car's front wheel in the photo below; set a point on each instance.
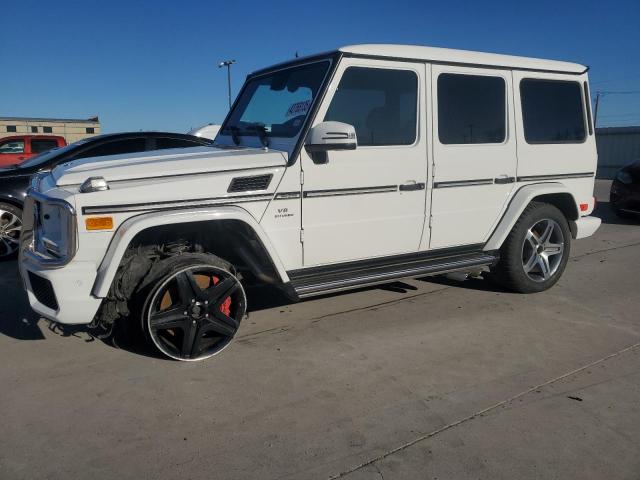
(536, 252)
(10, 229)
(193, 306)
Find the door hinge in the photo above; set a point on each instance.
(302, 235)
(433, 170)
(430, 220)
(301, 177)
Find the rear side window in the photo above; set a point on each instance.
(552, 111)
(115, 147)
(39, 146)
(381, 104)
(162, 143)
(471, 109)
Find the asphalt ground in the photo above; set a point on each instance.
(429, 378)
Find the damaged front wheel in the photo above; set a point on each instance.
(193, 310)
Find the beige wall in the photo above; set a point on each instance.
(71, 131)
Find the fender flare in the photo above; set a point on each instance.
(516, 206)
(134, 225)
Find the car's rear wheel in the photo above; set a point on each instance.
(536, 252)
(193, 307)
(10, 229)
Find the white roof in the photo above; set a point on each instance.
(449, 55)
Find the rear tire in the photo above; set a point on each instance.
(535, 254)
(192, 306)
(10, 229)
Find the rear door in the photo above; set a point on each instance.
(474, 153)
(368, 202)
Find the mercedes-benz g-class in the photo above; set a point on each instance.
(348, 168)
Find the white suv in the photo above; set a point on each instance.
(349, 168)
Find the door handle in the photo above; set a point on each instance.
(407, 187)
(503, 179)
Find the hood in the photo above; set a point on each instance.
(166, 163)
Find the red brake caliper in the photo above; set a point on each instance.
(225, 307)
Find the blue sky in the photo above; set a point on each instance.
(153, 65)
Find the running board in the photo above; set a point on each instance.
(329, 279)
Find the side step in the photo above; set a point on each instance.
(333, 278)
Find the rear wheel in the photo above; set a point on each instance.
(536, 252)
(10, 229)
(193, 307)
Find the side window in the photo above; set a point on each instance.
(115, 148)
(12, 146)
(471, 109)
(381, 104)
(162, 143)
(552, 111)
(47, 129)
(39, 146)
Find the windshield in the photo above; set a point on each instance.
(276, 104)
(50, 154)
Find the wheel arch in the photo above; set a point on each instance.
(232, 230)
(556, 194)
(12, 201)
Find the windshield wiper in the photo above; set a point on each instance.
(262, 131)
(235, 134)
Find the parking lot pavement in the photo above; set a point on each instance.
(428, 378)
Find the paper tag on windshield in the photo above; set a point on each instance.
(298, 108)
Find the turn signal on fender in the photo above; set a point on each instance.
(99, 223)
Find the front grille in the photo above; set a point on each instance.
(247, 184)
(43, 291)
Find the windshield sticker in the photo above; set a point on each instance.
(298, 108)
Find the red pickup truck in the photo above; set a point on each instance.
(18, 148)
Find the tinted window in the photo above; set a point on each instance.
(47, 129)
(34, 129)
(11, 128)
(12, 146)
(90, 130)
(115, 148)
(162, 143)
(552, 111)
(471, 109)
(39, 146)
(380, 104)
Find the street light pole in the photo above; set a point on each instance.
(228, 63)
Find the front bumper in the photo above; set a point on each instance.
(585, 226)
(62, 295)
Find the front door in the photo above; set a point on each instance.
(368, 202)
(474, 148)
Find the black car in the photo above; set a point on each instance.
(15, 180)
(625, 191)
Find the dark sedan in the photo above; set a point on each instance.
(625, 191)
(14, 181)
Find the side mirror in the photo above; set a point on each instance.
(331, 136)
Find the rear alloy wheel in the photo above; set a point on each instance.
(194, 312)
(10, 228)
(536, 251)
(542, 250)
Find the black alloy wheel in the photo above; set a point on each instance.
(194, 312)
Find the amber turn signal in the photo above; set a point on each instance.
(99, 223)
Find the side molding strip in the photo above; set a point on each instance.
(175, 204)
(463, 183)
(561, 176)
(350, 191)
